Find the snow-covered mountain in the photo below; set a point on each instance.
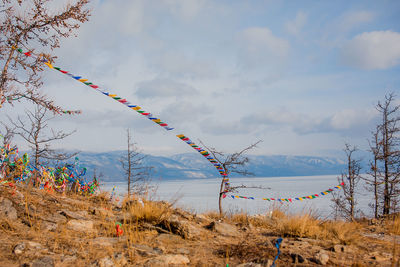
(193, 165)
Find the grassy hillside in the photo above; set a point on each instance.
(42, 229)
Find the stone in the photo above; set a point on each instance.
(105, 262)
(48, 226)
(183, 251)
(183, 228)
(43, 262)
(297, 258)
(33, 245)
(120, 259)
(69, 259)
(299, 244)
(177, 226)
(169, 259)
(107, 241)
(223, 229)
(27, 246)
(80, 225)
(166, 238)
(19, 249)
(7, 210)
(146, 251)
(55, 218)
(201, 218)
(81, 215)
(322, 257)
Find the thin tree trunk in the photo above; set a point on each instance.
(220, 197)
(376, 191)
(4, 77)
(386, 197)
(129, 164)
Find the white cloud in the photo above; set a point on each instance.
(295, 26)
(336, 32)
(349, 118)
(178, 64)
(259, 47)
(186, 112)
(348, 121)
(351, 20)
(127, 20)
(372, 50)
(160, 88)
(187, 9)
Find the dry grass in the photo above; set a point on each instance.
(241, 219)
(213, 215)
(298, 226)
(148, 211)
(343, 232)
(304, 225)
(395, 227)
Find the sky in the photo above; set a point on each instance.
(302, 76)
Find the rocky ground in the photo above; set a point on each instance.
(38, 228)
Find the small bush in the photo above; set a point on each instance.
(306, 225)
(395, 229)
(149, 211)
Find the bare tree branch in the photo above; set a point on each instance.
(345, 203)
(231, 163)
(137, 175)
(35, 27)
(35, 133)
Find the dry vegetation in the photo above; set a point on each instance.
(76, 231)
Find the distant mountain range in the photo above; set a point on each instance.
(193, 165)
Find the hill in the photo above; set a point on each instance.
(40, 228)
(192, 165)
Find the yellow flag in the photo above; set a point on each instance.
(83, 80)
(49, 65)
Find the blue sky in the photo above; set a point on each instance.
(303, 76)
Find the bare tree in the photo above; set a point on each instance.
(36, 133)
(36, 27)
(137, 175)
(7, 134)
(389, 154)
(373, 180)
(345, 204)
(231, 163)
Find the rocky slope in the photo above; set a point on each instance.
(38, 228)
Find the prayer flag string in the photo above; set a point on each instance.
(292, 199)
(137, 108)
(158, 121)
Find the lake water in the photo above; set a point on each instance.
(201, 195)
